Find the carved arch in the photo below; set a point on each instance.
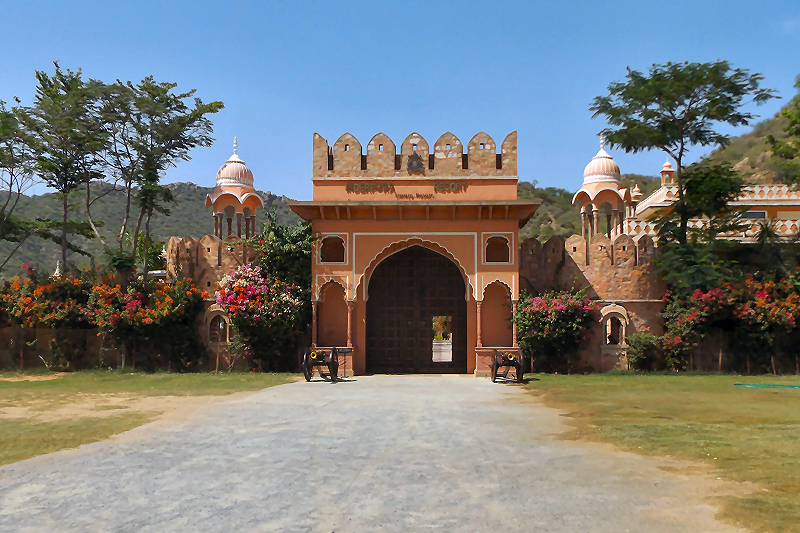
(391, 249)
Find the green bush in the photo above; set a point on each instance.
(645, 351)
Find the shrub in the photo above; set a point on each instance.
(644, 351)
(553, 326)
(267, 314)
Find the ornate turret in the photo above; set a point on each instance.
(602, 191)
(234, 196)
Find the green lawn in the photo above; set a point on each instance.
(21, 438)
(748, 434)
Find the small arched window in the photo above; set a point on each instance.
(614, 332)
(332, 250)
(218, 329)
(497, 250)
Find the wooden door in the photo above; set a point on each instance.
(406, 291)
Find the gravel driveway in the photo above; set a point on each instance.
(377, 453)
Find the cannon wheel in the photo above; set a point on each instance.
(333, 365)
(520, 375)
(307, 370)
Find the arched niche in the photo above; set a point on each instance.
(332, 250)
(496, 316)
(614, 322)
(332, 315)
(497, 250)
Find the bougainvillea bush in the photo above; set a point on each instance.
(553, 326)
(154, 321)
(267, 314)
(56, 303)
(760, 318)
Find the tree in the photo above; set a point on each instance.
(150, 128)
(676, 106)
(788, 148)
(17, 166)
(66, 136)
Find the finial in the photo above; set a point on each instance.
(602, 140)
(235, 145)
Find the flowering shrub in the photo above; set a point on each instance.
(154, 320)
(266, 312)
(761, 314)
(56, 302)
(553, 326)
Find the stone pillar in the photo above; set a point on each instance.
(621, 224)
(583, 223)
(596, 220)
(246, 227)
(613, 223)
(478, 331)
(514, 324)
(608, 225)
(218, 225)
(230, 230)
(314, 323)
(253, 225)
(351, 305)
(239, 225)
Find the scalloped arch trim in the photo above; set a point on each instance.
(398, 246)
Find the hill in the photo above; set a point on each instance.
(556, 214)
(187, 217)
(751, 155)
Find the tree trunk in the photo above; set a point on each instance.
(64, 232)
(774, 371)
(748, 364)
(147, 244)
(691, 361)
(89, 215)
(721, 338)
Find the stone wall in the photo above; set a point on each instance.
(619, 272)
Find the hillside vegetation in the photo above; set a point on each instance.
(188, 217)
(751, 155)
(556, 214)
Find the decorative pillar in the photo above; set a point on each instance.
(608, 225)
(350, 307)
(480, 343)
(621, 223)
(583, 222)
(612, 223)
(596, 219)
(230, 231)
(218, 225)
(253, 224)
(513, 324)
(313, 323)
(247, 227)
(239, 225)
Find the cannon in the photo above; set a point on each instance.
(321, 359)
(507, 361)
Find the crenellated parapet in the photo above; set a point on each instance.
(207, 259)
(621, 269)
(415, 158)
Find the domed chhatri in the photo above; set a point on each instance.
(234, 172)
(602, 191)
(234, 197)
(601, 168)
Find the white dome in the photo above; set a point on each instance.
(234, 172)
(601, 168)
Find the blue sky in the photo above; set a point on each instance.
(288, 69)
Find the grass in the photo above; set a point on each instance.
(22, 438)
(748, 435)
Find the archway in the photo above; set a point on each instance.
(416, 296)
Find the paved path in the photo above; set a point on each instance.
(381, 453)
